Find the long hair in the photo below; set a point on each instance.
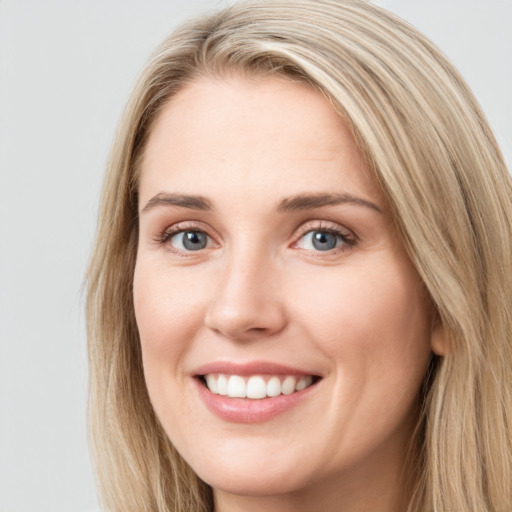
(426, 141)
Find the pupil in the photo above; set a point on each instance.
(194, 240)
(324, 241)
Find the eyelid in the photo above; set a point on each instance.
(324, 225)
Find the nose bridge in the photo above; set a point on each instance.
(245, 303)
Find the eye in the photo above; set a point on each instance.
(189, 240)
(323, 240)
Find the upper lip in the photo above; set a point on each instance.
(249, 368)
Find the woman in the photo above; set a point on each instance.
(300, 293)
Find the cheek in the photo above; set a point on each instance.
(372, 325)
(362, 307)
(168, 311)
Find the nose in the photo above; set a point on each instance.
(245, 304)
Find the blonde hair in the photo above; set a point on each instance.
(429, 146)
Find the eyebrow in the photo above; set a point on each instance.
(311, 201)
(182, 200)
(300, 202)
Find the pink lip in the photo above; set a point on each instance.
(250, 368)
(246, 410)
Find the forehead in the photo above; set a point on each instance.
(259, 135)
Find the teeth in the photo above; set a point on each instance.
(211, 382)
(236, 387)
(222, 385)
(273, 386)
(256, 386)
(302, 383)
(288, 385)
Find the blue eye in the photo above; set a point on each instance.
(321, 240)
(189, 240)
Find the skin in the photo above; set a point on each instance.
(356, 315)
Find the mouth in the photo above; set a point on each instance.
(256, 387)
(253, 392)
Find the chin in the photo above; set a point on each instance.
(257, 472)
(247, 482)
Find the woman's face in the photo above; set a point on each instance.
(267, 264)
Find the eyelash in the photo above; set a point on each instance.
(165, 237)
(343, 234)
(348, 238)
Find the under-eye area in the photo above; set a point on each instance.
(256, 386)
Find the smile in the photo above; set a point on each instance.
(255, 386)
(253, 392)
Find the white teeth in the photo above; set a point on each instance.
(303, 383)
(256, 386)
(236, 387)
(222, 385)
(288, 386)
(211, 382)
(273, 386)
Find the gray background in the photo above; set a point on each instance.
(66, 68)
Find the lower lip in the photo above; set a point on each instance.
(247, 410)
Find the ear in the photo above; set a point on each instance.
(438, 341)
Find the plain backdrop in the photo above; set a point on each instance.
(66, 69)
